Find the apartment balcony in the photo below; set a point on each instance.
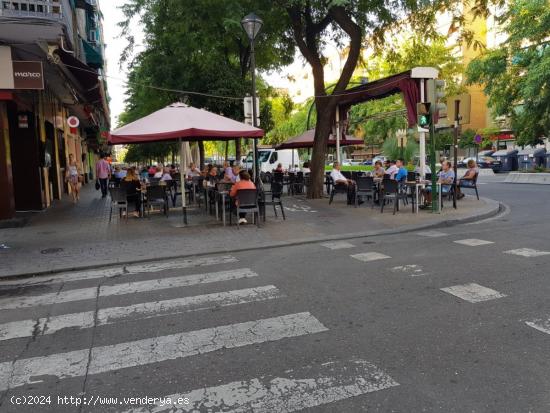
(31, 21)
(43, 9)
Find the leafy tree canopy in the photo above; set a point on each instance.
(515, 76)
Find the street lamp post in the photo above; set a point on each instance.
(252, 25)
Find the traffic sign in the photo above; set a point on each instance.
(73, 122)
(478, 139)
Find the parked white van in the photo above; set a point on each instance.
(270, 158)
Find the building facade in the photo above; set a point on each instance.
(51, 69)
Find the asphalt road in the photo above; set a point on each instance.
(415, 322)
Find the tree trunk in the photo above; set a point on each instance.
(323, 128)
(238, 151)
(201, 155)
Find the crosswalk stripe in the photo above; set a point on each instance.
(153, 350)
(541, 325)
(527, 252)
(370, 256)
(473, 293)
(105, 316)
(337, 245)
(432, 234)
(295, 391)
(412, 270)
(472, 242)
(122, 270)
(125, 288)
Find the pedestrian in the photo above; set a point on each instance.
(103, 174)
(74, 177)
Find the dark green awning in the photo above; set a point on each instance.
(93, 57)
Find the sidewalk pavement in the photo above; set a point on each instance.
(77, 236)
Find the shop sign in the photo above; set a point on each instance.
(28, 75)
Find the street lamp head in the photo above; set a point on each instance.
(252, 25)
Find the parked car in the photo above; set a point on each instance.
(380, 158)
(484, 162)
(367, 162)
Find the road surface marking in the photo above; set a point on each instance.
(473, 293)
(527, 252)
(541, 325)
(297, 390)
(154, 350)
(125, 288)
(337, 245)
(121, 270)
(369, 256)
(412, 270)
(472, 242)
(105, 316)
(432, 234)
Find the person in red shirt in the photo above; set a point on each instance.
(243, 183)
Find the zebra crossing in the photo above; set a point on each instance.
(300, 387)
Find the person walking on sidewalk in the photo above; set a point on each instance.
(73, 177)
(103, 173)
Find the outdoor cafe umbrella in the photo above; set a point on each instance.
(184, 123)
(305, 140)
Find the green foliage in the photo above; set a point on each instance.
(515, 75)
(443, 139)
(147, 153)
(290, 124)
(392, 149)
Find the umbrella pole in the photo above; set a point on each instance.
(183, 162)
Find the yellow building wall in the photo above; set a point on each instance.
(479, 113)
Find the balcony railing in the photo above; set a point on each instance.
(48, 9)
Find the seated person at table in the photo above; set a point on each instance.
(158, 174)
(379, 170)
(144, 174)
(244, 183)
(234, 174)
(467, 180)
(392, 170)
(305, 168)
(212, 178)
(294, 169)
(228, 174)
(192, 171)
(279, 168)
(340, 179)
(446, 178)
(401, 175)
(166, 175)
(133, 187)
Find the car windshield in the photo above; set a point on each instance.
(263, 156)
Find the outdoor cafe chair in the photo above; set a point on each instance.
(275, 192)
(157, 196)
(391, 191)
(364, 187)
(118, 202)
(297, 183)
(246, 200)
(472, 185)
(337, 189)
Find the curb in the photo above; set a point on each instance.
(494, 208)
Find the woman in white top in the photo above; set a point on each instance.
(73, 177)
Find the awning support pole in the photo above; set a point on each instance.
(338, 134)
(183, 162)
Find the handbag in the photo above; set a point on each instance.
(97, 186)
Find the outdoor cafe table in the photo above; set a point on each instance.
(422, 184)
(222, 195)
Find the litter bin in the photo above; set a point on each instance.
(530, 158)
(508, 160)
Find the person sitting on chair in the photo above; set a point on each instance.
(392, 170)
(446, 178)
(340, 179)
(379, 170)
(244, 183)
(401, 175)
(467, 180)
(279, 168)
